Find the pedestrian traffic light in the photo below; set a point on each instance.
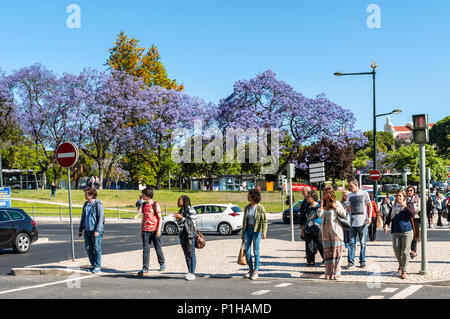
(420, 128)
(290, 170)
(420, 121)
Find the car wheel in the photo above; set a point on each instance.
(22, 243)
(170, 229)
(224, 229)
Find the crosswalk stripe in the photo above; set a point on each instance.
(260, 292)
(406, 292)
(283, 285)
(390, 290)
(376, 297)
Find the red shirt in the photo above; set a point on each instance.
(150, 221)
(374, 209)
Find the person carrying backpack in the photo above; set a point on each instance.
(151, 231)
(92, 220)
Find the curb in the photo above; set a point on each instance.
(69, 272)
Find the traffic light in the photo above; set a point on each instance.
(420, 129)
(420, 121)
(281, 180)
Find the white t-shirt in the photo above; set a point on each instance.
(358, 207)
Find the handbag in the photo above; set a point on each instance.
(242, 258)
(345, 221)
(200, 240)
(415, 229)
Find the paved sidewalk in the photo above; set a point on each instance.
(279, 259)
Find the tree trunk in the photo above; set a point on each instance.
(158, 180)
(101, 170)
(44, 180)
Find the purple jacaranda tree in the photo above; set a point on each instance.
(159, 113)
(266, 102)
(45, 106)
(110, 102)
(7, 111)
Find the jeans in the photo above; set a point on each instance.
(360, 232)
(191, 259)
(53, 194)
(251, 236)
(93, 247)
(147, 238)
(401, 243)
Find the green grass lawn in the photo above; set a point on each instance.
(126, 200)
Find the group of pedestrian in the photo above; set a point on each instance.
(327, 226)
(92, 221)
(324, 229)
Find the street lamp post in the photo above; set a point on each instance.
(373, 73)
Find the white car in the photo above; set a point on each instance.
(224, 219)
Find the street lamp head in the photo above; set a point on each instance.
(337, 74)
(374, 65)
(396, 111)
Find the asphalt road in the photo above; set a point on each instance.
(132, 287)
(124, 236)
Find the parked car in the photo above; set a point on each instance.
(17, 230)
(391, 187)
(225, 219)
(296, 211)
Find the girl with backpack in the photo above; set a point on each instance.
(186, 217)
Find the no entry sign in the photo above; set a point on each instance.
(67, 154)
(375, 175)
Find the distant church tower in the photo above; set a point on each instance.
(388, 127)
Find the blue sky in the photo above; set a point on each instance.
(208, 45)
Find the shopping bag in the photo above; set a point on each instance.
(379, 222)
(242, 258)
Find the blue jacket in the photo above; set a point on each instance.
(401, 223)
(93, 217)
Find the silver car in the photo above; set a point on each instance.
(225, 219)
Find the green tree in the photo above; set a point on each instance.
(126, 55)
(440, 136)
(407, 157)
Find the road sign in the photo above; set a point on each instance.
(67, 154)
(317, 172)
(375, 175)
(5, 197)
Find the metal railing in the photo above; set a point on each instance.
(116, 212)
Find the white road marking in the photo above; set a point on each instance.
(260, 292)
(376, 297)
(406, 292)
(260, 282)
(45, 285)
(283, 285)
(390, 290)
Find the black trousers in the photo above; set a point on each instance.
(149, 237)
(313, 243)
(414, 241)
(439, 222)
(373, 229)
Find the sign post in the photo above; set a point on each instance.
(67, 156)
(421, 137)
(290, 176)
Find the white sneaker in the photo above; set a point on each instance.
(254, 276)
(190, 277)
